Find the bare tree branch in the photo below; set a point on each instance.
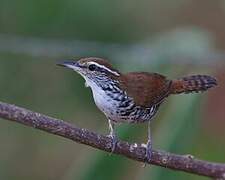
(136, 152)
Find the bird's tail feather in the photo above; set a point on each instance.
(194, 83)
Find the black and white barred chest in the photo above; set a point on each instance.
(119, 107)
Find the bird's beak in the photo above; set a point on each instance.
(69, 64)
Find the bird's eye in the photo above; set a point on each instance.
(92, 67)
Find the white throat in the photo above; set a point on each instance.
(103, 101)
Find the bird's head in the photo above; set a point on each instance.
(93, 69)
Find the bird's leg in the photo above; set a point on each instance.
(112, 135)
(149, 144)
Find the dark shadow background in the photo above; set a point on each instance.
(175, 38)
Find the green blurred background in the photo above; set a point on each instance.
(175, 38)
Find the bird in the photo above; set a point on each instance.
(133, 97)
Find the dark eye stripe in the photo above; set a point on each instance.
(102, 68)
(94, 67)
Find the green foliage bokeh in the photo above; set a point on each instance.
(35, 82)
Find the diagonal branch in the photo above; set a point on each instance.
(136, 152)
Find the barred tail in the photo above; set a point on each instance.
(195, 83)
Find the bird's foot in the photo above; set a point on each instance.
(114, 142)
(148, 154)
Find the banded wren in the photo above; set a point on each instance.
(133, 97)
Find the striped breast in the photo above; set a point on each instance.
(119, 107)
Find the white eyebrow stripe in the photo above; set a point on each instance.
(102, 66)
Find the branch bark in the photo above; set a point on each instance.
(186, 163)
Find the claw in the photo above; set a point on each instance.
(114, 142)
(112, 135)
(148, 154)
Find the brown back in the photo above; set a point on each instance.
(147, 89)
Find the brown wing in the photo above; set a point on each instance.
(147, 89)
